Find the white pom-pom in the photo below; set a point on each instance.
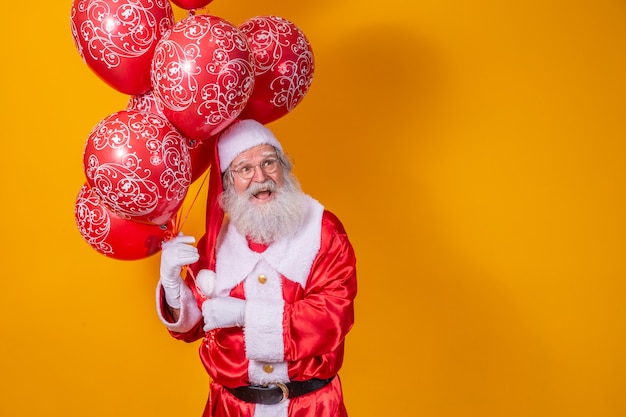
(206, 282)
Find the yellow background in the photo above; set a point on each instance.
(474, 151)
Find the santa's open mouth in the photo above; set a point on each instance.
(263, 195)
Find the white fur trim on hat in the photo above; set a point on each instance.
(240, 137)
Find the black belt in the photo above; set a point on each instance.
(277, 392)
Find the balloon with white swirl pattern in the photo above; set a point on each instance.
(284, 67)
(200, 151)
(139, 166)
(144, 102)
(111, 234)
(117, 38)
(202, 75)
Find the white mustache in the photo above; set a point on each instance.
(258, 187)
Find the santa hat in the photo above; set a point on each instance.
(241, 136)
(237, 138)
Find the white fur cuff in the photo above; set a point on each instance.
(190, 314)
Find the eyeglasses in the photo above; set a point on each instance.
(268, 166)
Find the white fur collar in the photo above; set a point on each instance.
(291, 256)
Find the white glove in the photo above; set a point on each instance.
(176, 253)
(223, 312)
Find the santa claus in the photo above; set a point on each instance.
(270, 287)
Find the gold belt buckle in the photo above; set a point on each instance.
(284, 389)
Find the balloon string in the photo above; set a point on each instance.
(180, 220)
(190, 275)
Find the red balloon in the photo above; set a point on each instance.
(200, 151)
(139, 166)
(191, 4)
(202, 75)
(284, 67)
(144, 102)
(113, 235)
(117, 38)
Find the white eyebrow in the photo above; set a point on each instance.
(264, 155)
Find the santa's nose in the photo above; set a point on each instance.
(259, 174)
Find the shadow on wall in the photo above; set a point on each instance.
(427, 317)
(373, 85)
(376, 97)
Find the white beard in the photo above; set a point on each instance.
(270, 221)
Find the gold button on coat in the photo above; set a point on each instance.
(262, 279)
(268, 368)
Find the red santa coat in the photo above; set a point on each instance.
(300, 306)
